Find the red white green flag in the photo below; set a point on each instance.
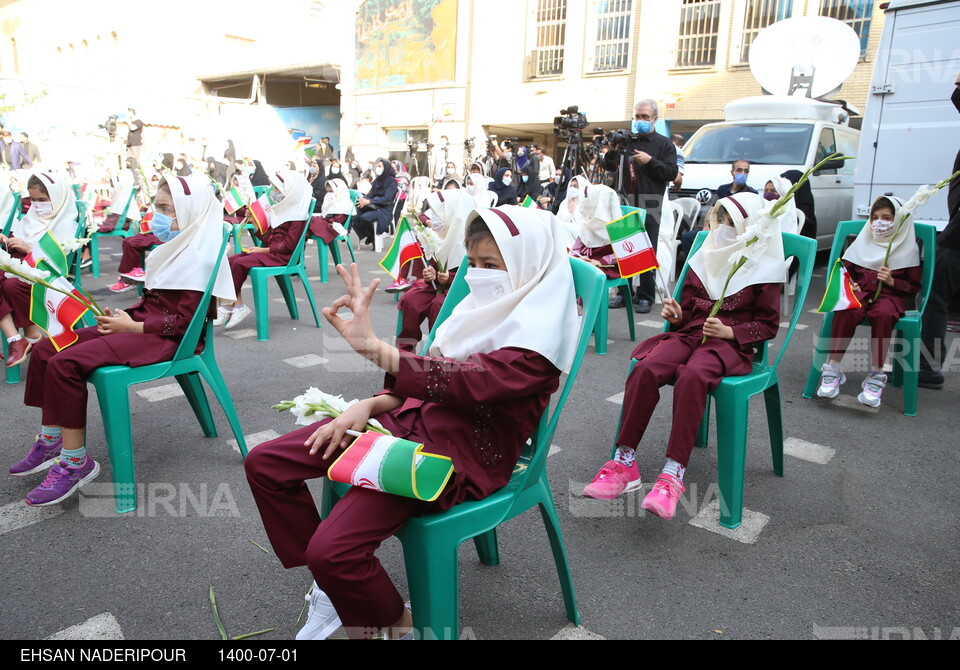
(839, 295)
(233, 200)
(631, 245)
(260, 211)
(404, 249)
(145, 226)
(55, 313)
(528, 202)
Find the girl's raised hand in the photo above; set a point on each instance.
(358, 332)
(671, 311)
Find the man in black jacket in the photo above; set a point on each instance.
(646, 166)
(946, 282)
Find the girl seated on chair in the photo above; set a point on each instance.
(54, 210)
(599, 206)
(189, 217)
(900, 281)
(336, 208)
(750, 315)
(476, 398)
(290, 198)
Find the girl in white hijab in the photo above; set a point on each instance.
(6, 201)
(570, 213)
(475, 185)
(124, 191)
(476, 398)
(290, 198)
(750, 314)
(188, 217)
(867, 267)
(791, 220)
(600, 206)
(337, 207)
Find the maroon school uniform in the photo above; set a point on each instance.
(695, 369)
(57, 381)
(320, 226)
(133, 250)
(237, 217)
(422, 302)
(110, 223)
(603, 255)
(478, 412)
(883, 313)
(282, 241)
(15, 300)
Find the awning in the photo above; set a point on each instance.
(321, 72)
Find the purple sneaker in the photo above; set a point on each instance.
(41, 457)
(61, 482)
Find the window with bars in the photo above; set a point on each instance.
(759, 15)
(551, 36)
(611, 51)
(699, 26)
(855, 13)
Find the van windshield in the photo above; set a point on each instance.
(762, 144)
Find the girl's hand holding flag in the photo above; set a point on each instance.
(117, 321)
(672, 313)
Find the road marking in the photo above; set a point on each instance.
(800, 326)
(308, 361)
(20, 515)
(158, 393)
(554, 449)
(240, 334)
(283, 301)
(616, 399)
(650, 324)
(747, 533)
(808, 451)
(571, 632)
(254, 439)
(101, 627)
(850, 402)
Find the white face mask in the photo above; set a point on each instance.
(573, 193)
(724, 235)
(487, 286)
(882, 229)
(472, 189)
(507, 181)
(557, 178)
(43, 209)
(451, 171)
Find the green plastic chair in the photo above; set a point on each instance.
(334, 246)
(14, 210)
(116, 232)
(295, 267)
(906, 368)
(431, 543)
(240, 227)
(732, 396)
(600, 331)
(187, 367)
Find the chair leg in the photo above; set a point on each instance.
(115, 410)
(771, 397)
(328, 498)
(703, 434)
(261, 306)
(12, 374)
(353, 256)
(487, 548)
(910, 374)
(237, 230)
(322, 255)
(95, 255)
(432, 577)
(220, 391)
(732, 417)
(309, 291)
(819, 357)
(600, 328)
(286, 288)
(548, 511)
(193, 389)
(335, 252)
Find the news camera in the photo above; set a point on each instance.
(110, 125)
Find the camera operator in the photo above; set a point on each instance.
(647, 163)
(503, 154)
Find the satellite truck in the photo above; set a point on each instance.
(911, 131)
(799, 62)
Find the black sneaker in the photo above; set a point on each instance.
(616, 303)
(929, 379)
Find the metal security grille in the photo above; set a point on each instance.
(759, 15)
(612, 48)
(551, 36)
(699, 25)
(855, 13)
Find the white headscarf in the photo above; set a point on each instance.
(712, 264)
(573, 220)
(480, 195)
(790, 218)
(340, 203)
(600, 206)
(186, 262)
(540, 314)
(62, 223)
(245, 188)
(297, 193)
(125, 187)
(452, 208)
(866, 251)
(6, 199)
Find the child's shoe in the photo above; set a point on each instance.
(613, 480)
(121, 286)
(41, 457)
(873, 387)
(662, 500)
(17, 352)
(136, 274)
(61, 482)
(322, 618)
(830, 381)
(223, 315)
(239, 313)
(399, 286)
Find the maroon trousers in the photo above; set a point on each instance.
(695, 370)
(133, 250)
(883, 314)
(240, 265)
(110, 223)
(15, 300)
(339, 550)
(418, 303)
(320, 226)
(57, 381)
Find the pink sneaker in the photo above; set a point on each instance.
(121, 286)
(662, 500)
(613, 480)
(136, 274)
(399, 286)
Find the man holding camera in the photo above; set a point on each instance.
(647, 162)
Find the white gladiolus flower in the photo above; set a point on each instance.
(70, 246)
(920, 198)
(16, 266)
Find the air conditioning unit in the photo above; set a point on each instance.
(530, 66)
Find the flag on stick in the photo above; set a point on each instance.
(260, 211)
(528, 202)
(839, 295)
(55, 313)
(631, 245)
(233, 200)
(404, 249)
(145, 226)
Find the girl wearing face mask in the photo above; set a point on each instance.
(336, 171)
(279, 241)
(449, 173)
(600, 207)
(336, 208)
(529, 185)
(124, 191)
(505, 188)
(54, 210)
(476, 397)
(900, 281)
(318, 181)
(475, 186)
(749, 315)
(570, 211)
(376, 207)
(147, 333)
(555, 192)
(792, 219)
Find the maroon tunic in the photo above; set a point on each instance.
(57, 381)
(110, 223)
(883, 313)
(320, 226)
(696, 369)
(15, 300)
(478, 412)
(237, 217)
(282, 242)
(133, 250)
(603, 255)
(421, 302)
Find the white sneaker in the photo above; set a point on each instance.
(873, 387)
(830, 381)
(238, 314)
(322, 618)
(223, 314)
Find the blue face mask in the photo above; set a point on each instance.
(640, 127)
(525, 179)
(160, 225)
(740, 179)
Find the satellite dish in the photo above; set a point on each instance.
(815, 54)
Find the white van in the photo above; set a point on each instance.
(777, 134)
(911, 131)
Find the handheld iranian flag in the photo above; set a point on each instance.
(631, 245)
(392, 465)
(145, 226)
(260, 211)
(839, 295)
(55, 313)
(528, 202)
(233, 200)
(404, 249)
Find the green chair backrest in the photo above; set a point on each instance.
(297, 256)
(74, 259)
(260, 190)
(14, 210)
(354, 196)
